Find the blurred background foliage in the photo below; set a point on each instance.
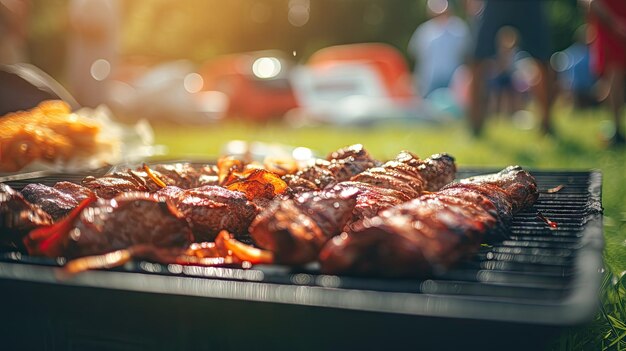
(162, 30)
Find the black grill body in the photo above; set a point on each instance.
(518, 292)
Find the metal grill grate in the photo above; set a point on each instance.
(532, 265)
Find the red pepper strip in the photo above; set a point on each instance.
(148, 253)
(109, 260)
(556, 189)
(48, 240)
(550, 223)
(243, 251)
(154, 177)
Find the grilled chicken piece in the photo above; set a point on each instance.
(108, 225)
(182, 175)
(57, 201)
(209, 209)
(18, 217)
(433, 232)
(296, 229)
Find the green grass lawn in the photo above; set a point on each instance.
(578, 146)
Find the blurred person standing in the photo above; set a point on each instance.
(608, 53)
(92, 48)
(439, 46)
(13, 30)
(505, 96)
(528, 18)
(578, 76)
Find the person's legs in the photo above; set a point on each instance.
(535, 39)
(616, 100)
(487, 25)
(544, 94)
(477, 97)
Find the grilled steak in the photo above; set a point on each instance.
(17, 217)
(57, 201)
(108, 225)
(210, 209)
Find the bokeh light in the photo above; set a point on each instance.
(299, 12)
(193, 82)
(100, 69)
(266, 67)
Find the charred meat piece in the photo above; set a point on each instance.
(78, 192)
(107, 225)
(57, 201)
(318, 173)
(186, 176)
(370, 199)
(350, 161)
(291, 228)
(433, 232)
(182, 175)
(210, 209)
(518, 185)
(111, 185)
(410, 175)
(296, 229)
(437, 170)
(339, 166)
(17, 218)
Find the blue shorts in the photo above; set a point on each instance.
(527, 17)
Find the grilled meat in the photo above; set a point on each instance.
(17, 217)
(350, 161)
(409, 174)
(296, 229)
(186, 175)
(78, 192)
(108, 225)
(182, 175)
(111, 185)
(210, 209)
(370, 192)
(57, 201)
(433, 232)
(339, 166)
(370, 199)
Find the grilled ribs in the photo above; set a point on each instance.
(341, 206)
(433, 232)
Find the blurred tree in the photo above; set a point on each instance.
(201, 29)
(46, 36)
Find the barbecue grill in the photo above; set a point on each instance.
(518, 292)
